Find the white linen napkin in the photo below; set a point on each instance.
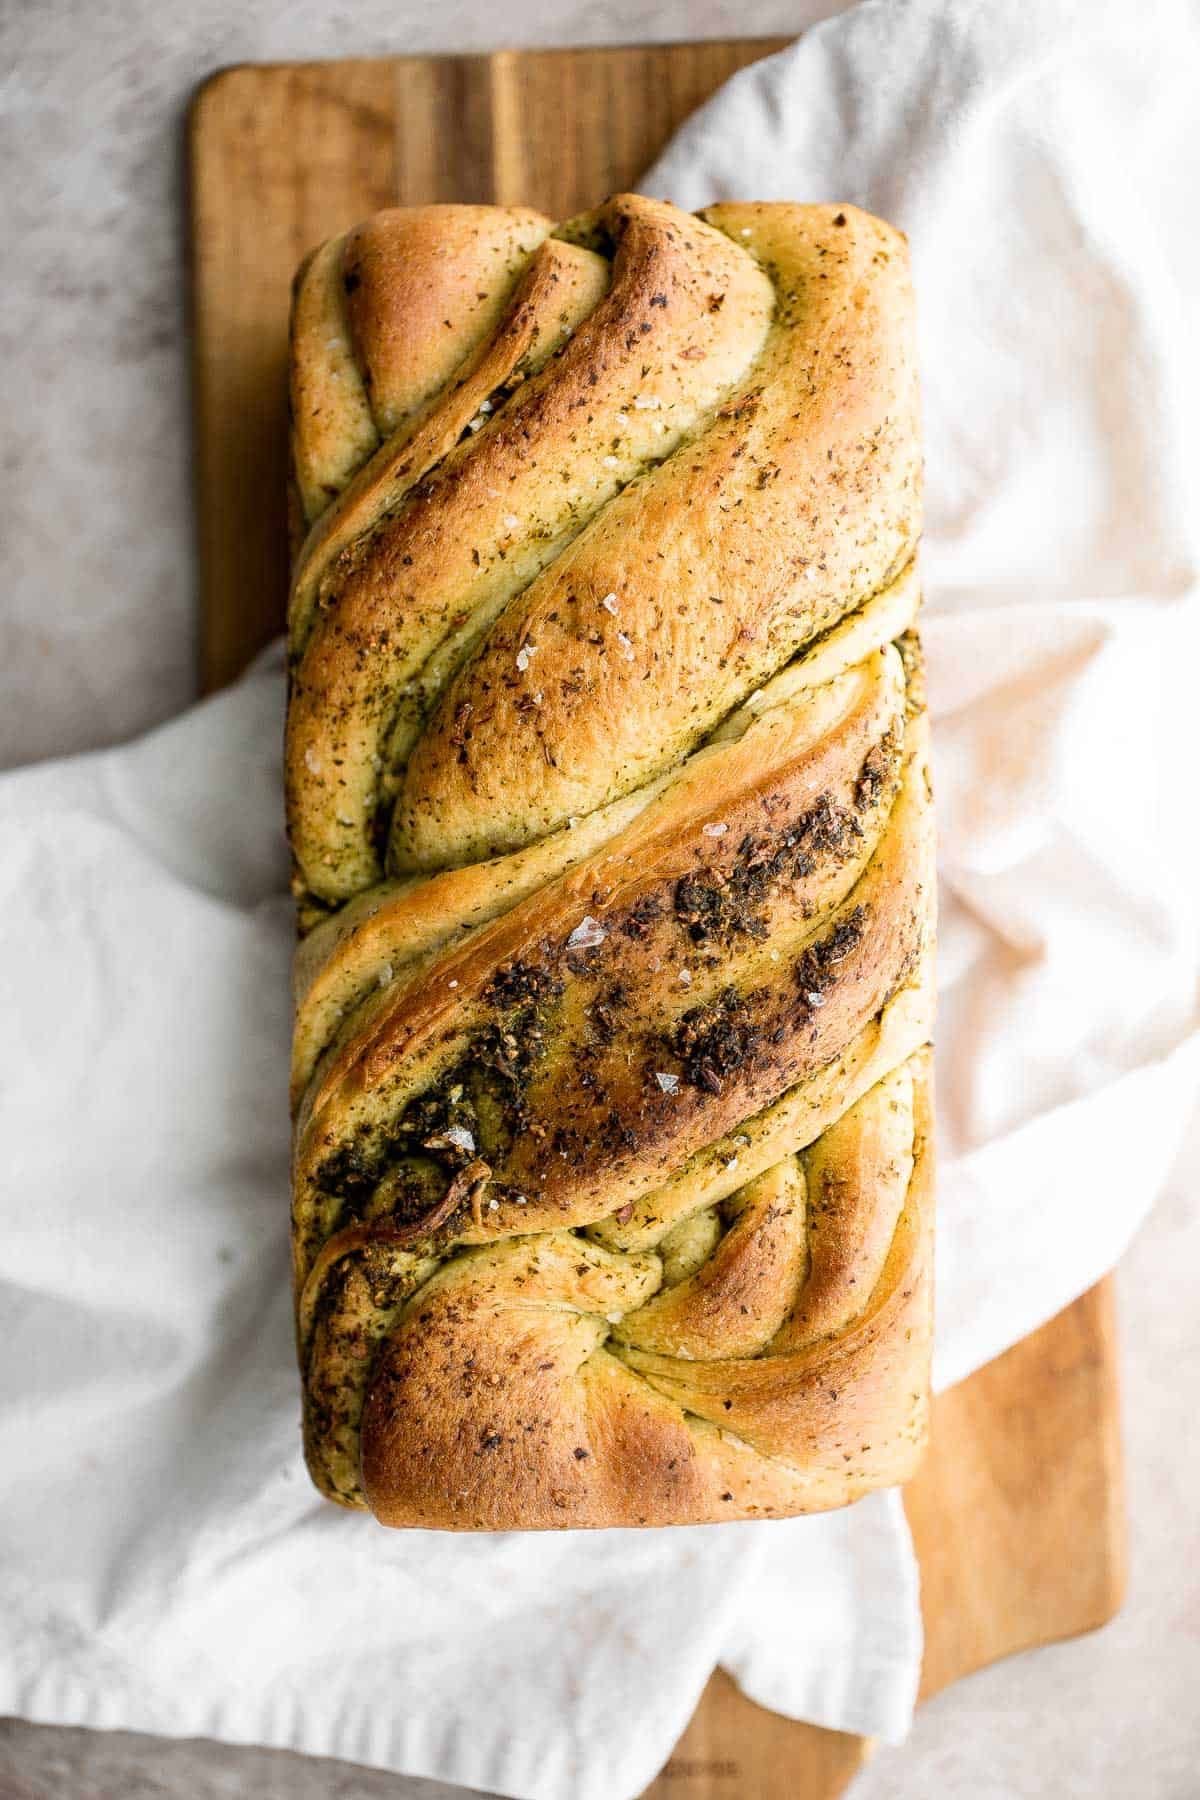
(164, 1564)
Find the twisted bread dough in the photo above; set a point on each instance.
(607, 783)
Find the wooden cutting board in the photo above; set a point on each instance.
(1017, 1512)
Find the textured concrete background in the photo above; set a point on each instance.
(99, 632)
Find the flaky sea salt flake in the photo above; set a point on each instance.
(587, 935)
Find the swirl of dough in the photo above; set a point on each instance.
(608, 794)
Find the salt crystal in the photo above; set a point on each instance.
(521, 1199)
(745, 231)
(613, 1318)
(685, 975)
(572, 822)
(647, 403)
(609, 603)
(493, 1204)
(460, 1137)
(715, 830)
(485, 406)
(668, 1083)
(739, 1137)
(732, 1164)
(312, 761)
(626, 644)
(611, 462)
(815, 999)
(524, 655)
(452, 984)
(477, 423)
(587, 935)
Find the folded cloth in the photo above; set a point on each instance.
(164, 1564)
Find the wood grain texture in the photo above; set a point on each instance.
(1017, 1512)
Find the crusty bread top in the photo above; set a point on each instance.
(718, 463)
(607, 778)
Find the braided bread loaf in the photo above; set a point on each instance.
(608, 797)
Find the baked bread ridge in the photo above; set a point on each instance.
(608, 794)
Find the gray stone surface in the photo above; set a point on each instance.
(99, 611)
(38, 1762)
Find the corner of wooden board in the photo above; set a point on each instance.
(215, 91)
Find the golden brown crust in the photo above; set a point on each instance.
(612, 1143)
(423, 286)
(723, 561)
(497, 1401)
